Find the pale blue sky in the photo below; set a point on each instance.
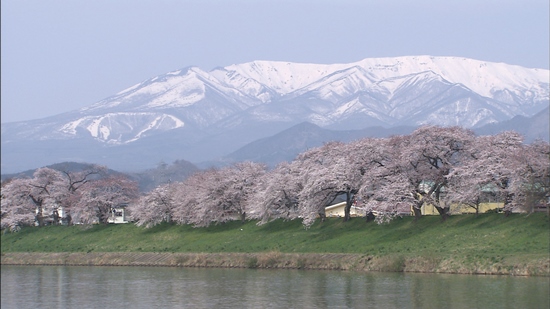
(60, 55)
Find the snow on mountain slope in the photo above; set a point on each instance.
(339, 84)
(519, 91)
(482, 77)
(261, 82)
(410, 90)
(116, 128)
(284, 77)
(198, 116)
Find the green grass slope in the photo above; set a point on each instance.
(488, 244)
(489, 235)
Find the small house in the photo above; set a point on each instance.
(337, 210)
(117, 214)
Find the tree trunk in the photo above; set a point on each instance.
(508, 198)
(39, 219)
(370, 216)
(347, 209)
(477, 205)
(55, 217)
(103, 215)
(443, 212)
(417, 209)
(39, 216)
(417, 213)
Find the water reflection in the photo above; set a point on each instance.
(150, 287)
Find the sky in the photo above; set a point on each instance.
(61, 55)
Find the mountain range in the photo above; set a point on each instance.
(207, 117)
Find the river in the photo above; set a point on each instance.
(166, 287)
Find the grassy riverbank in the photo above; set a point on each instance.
(490, 243)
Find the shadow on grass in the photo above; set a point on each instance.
(281, 224)
(163, 227)
(226, 226)
(496, 220)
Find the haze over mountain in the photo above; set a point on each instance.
(201, 116)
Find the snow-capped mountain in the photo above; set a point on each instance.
(234, 105)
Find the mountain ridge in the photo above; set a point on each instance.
(202, 116)
(284, 146)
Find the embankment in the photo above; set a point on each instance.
(278, 260)
(465, 244)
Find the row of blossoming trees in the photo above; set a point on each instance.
(443, 167)
(50, 196)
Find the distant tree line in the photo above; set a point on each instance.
(440, 166)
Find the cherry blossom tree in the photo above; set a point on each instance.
(276, 194)
(73, 182)
(99, 197)
(350, 162)
(189, 196)
(467, 191)
(391, 184)
(532, 185)
(155, 207)
(17, 208)
(397, 182)
(47, 191)
(210, 206)
(78, 179)
(493, 164)
(337, 169)
(422, 162)
(242, 181)
(373, 159)
(218, 195)
(320, 182)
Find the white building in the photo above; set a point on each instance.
(118, 214)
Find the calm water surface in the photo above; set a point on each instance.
(163, 287)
